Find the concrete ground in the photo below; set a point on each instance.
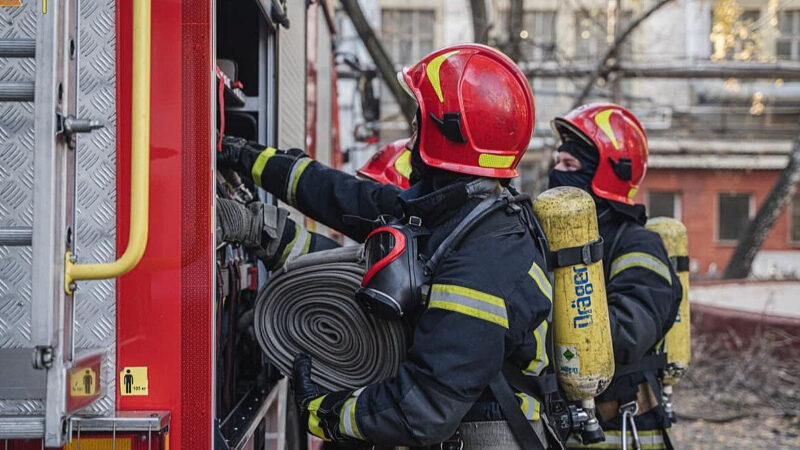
(758, 428)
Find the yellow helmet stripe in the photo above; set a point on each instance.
(495, 161)
(403, 164)
(602, 119)
(433, 72)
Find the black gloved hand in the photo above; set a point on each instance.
(238, 153)
(319, 410)
(305, 389)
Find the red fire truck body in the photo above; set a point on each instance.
(163, 377)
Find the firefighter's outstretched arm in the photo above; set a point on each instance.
(641, 295)
(323, 194)
(267, 231)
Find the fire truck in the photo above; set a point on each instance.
(122, 323)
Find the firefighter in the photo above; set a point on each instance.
(268, 230)
(603, 150)
(487, 301)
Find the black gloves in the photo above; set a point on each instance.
(253, 160)
(238, 154)
(319, 410)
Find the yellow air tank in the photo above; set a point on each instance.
(584, 355)
(677, 342)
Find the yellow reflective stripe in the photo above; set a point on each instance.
(541, 280)
(530, 406)
(603, 120)
(541, 361)
(302, 243)
(469, 302)
(347, 417)
(495, 161)
(260, 163)
(288, 249)
(649, 440)
(403, 164)
(432, 70)
(313, 419)
(639, 259)
(294, 178)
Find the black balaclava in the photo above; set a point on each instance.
(589, 157)
(583, 152)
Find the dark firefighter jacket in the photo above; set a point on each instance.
(296, 240)
(487, 305)
(643, 292)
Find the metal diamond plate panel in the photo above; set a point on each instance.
(16, 197)
(95, 302)
(95, 227)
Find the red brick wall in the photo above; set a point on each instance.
(699, 191)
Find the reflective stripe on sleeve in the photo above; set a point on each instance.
(469, 302)
(639, 259)
(299, 245)
(541, 280)
(347, 417)
(313, 419)
(649, 439)
(541, 361)
(261, 162)
(294, 178)
(530, 406)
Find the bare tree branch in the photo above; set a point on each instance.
(757, 230)
(479, 25)
(601, 68)
(514, 49)
(576, 4)
(382, 60)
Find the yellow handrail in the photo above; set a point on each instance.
(140, 163)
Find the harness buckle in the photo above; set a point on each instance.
(628, 411)
(453, 443)
(631, 408)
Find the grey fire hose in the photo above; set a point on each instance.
(308, 306)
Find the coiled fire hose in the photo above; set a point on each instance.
(309, 307)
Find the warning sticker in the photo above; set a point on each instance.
(567, 359)
(82, 382)
(133, 381)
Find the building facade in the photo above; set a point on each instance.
(717, 145)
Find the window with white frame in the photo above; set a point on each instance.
(733, 215)
(407, 34)
(787, 46)
(664, 204)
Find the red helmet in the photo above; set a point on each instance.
(476, 108)
(620, 141)
(390, 164)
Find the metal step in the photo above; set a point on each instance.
(17, 48)
(16, 92)
(15, 237)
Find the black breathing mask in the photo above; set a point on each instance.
(396, 271)
(391, 286)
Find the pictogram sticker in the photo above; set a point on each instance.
(133, 381)
(82, 382)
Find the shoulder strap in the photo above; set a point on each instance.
(484, 208)
(509, 405)
(607, 261)
(617, 236)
